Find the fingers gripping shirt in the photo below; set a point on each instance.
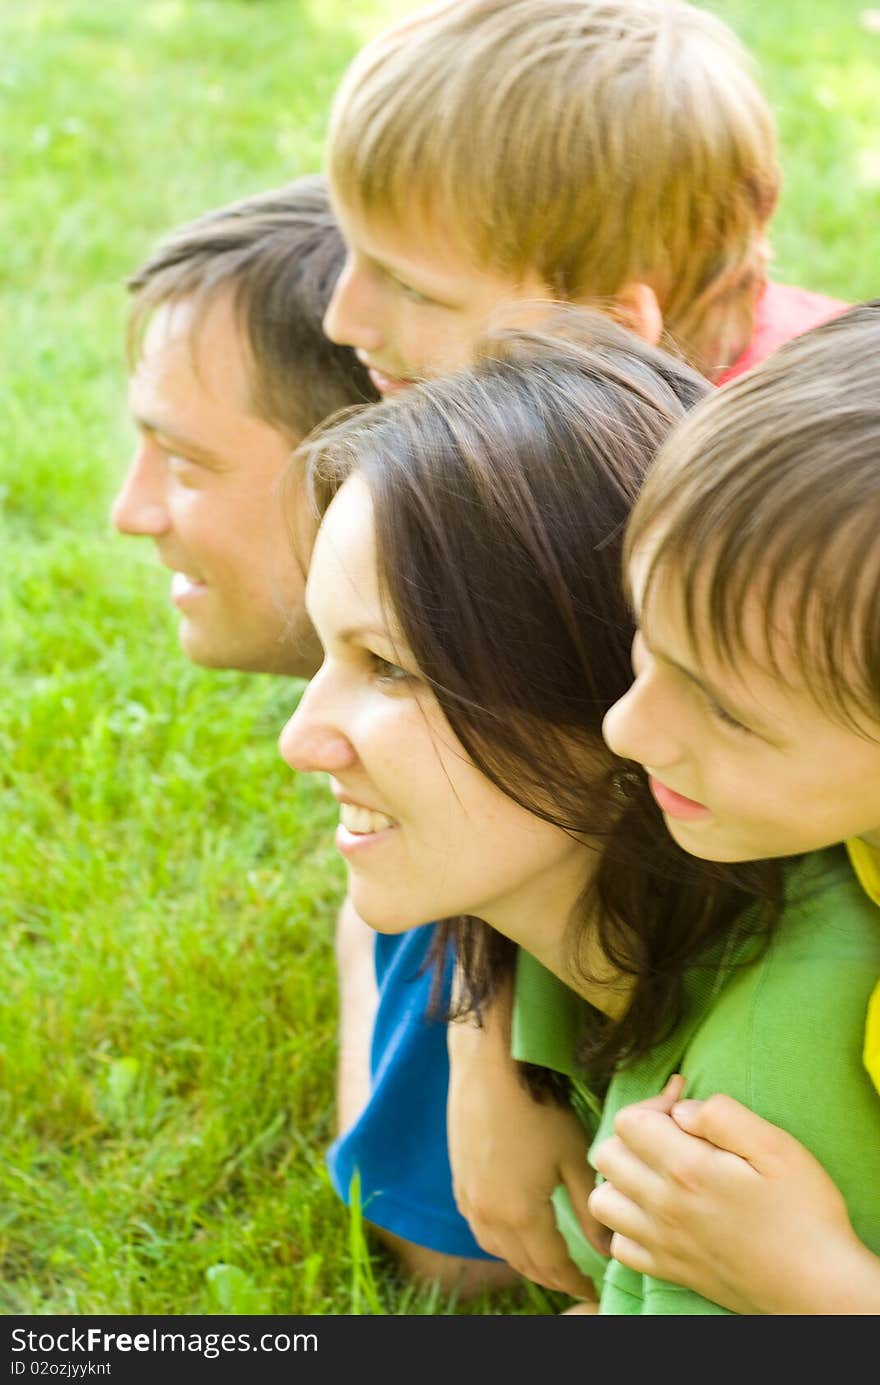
(768, 1029)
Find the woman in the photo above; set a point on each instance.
(465, 587)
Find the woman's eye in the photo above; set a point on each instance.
(178, 464)
(386, 672)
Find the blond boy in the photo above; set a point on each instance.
(484, 154)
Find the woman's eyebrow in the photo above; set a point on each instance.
(351, 634)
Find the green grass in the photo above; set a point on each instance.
(167, 887)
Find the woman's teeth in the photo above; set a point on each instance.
(362, 821)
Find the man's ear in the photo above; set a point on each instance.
(640, 311)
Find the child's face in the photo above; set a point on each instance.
(424, 832)
(743, 765)
(413, 304)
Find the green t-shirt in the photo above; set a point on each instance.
(782, 1033)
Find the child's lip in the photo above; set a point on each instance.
(385, 383)
(674, 803)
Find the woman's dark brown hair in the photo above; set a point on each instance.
(500, 497)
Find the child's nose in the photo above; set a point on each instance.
(352, 316)
(636, 729)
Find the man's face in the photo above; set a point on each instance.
(413, 303)
(202, 484)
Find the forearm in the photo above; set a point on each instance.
(510, 1154)
(486, 1043)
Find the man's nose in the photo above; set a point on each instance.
(140, 507)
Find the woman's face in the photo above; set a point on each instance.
(424, 833)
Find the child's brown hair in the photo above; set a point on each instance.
(771, 487)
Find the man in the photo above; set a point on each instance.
(230, 370)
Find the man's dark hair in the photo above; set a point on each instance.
(278, 254)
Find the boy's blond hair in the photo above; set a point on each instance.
(596, 142)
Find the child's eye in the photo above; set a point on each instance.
(723, 716)
(412, 294)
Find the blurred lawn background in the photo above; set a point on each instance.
(167, 886)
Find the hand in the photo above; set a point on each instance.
(509, 1152)
(709, 1195)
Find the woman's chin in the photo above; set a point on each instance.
(382, 919)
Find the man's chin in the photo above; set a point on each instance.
(213, 651)
(277, 655)
(204, 652)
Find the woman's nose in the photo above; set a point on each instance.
(312, 741)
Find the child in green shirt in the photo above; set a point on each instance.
(753, 564)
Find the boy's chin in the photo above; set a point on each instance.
(734, 853)
(701, 844)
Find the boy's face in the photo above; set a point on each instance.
(412, 303)
(743, 764)
(202, 484)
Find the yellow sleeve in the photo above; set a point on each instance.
(865, 861)
(872, 1037)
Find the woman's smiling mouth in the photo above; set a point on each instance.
(363, 821)
(361, 828)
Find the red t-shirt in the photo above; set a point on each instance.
(783, 312)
